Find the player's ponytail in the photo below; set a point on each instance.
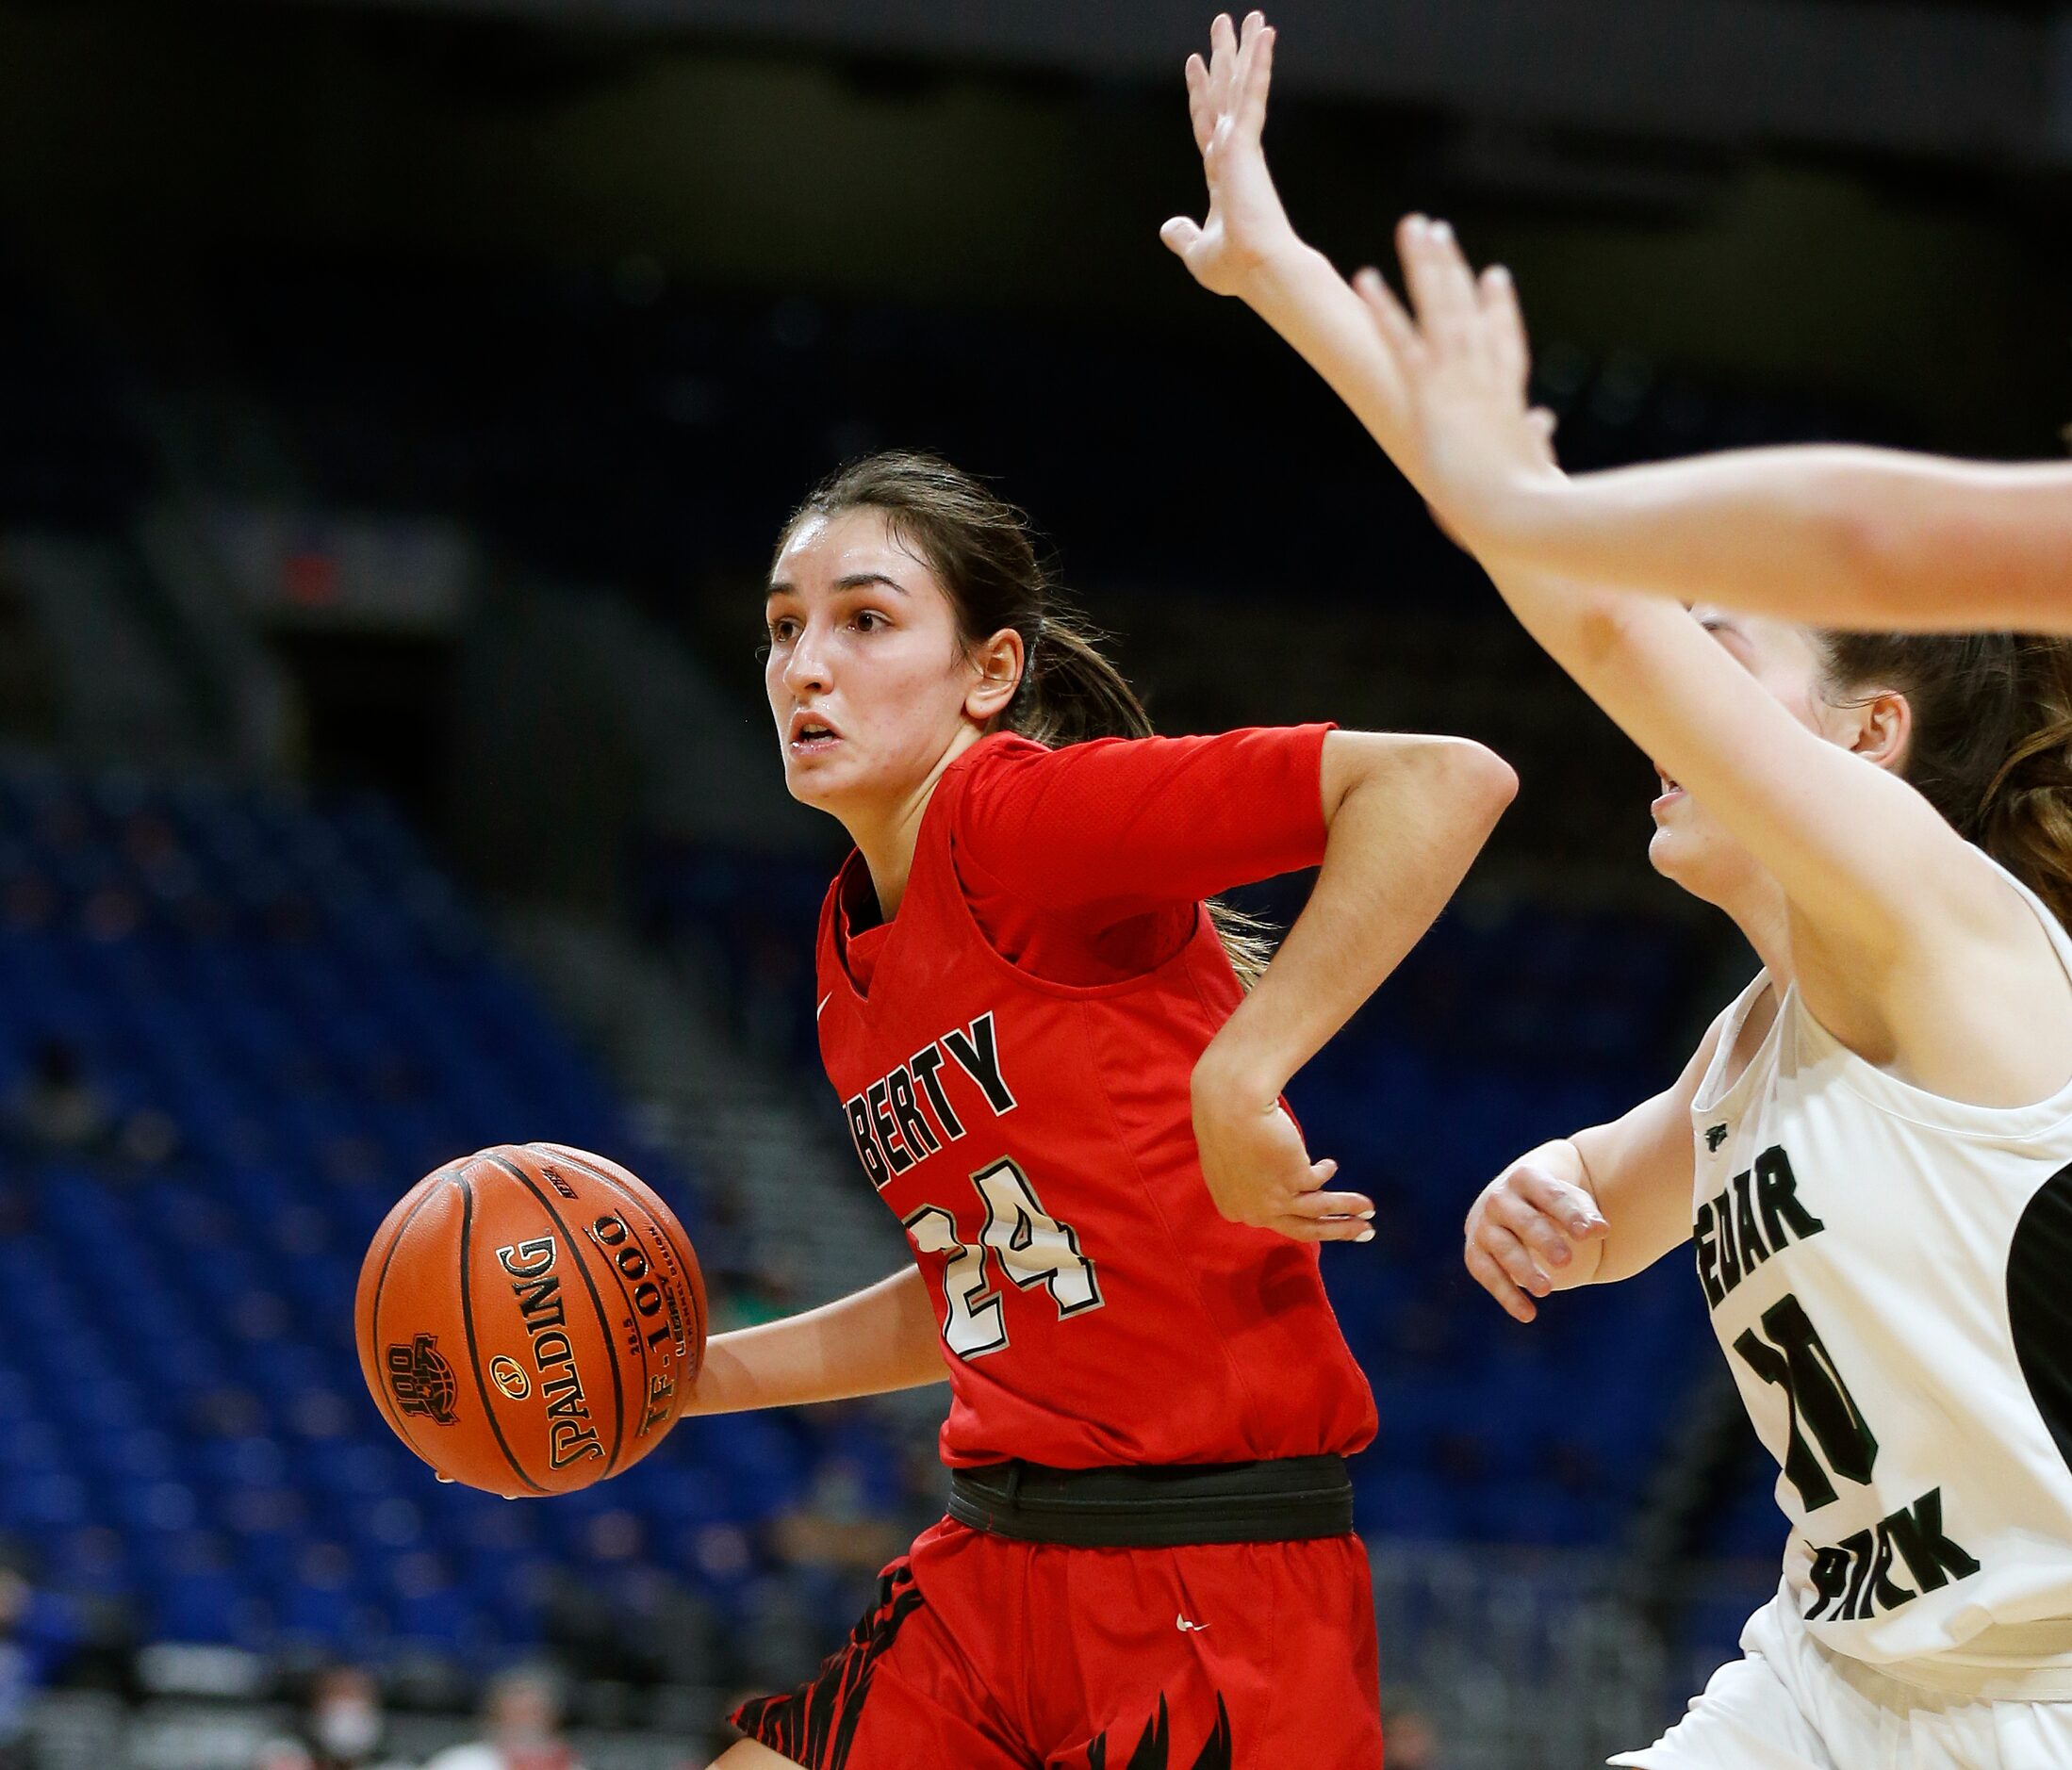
(1069, 689)
(1992, 741)
(984, 553)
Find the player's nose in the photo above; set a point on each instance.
(806, 670)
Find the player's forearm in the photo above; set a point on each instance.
(1853, 847)
(1838, 536)
(1401, 834)
(875, 1341)
(1639, 1168)
(1632, 1238)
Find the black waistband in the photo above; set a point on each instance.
(1287, 1500)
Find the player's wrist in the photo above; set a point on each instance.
(1234, 1076)
(1279, 273)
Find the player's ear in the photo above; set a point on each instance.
(997, 664)
(1885, 726)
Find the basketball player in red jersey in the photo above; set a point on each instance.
(1056, 1079)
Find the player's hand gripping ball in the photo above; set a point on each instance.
(531, 1319)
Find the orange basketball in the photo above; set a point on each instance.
(531, 1319)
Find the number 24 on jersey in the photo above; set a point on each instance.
(1032, 1247)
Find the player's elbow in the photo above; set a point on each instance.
(1480, 782)
(1407, 778)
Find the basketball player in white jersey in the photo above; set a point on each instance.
(1871, 1150)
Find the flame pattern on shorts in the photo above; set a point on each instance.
(1155, 1749)
(816, 1725)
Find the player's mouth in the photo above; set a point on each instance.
(811, 734)
(1670, 793)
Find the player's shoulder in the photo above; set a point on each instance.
(1000, 752)
(997, 770)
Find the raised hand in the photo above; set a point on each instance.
(1226, 101)
(1535, 1229)
(1463, 364)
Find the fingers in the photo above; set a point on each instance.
(1318, 1204)
(1222, 61)
(1502, 1245)
(1199, 112)
(1298, 1228)
(1441, 288)
(1504, 325)
(1542, 423)
(1541, 1233)
(1565, 1204)
(1391, 320)
(1315, 1205)
(1181, 234)
(1486, 1273)
(1256, 74)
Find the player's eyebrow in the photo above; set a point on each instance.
(849, 581)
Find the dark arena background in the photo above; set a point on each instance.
(397, 405)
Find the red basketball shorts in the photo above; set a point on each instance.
(985, 1653)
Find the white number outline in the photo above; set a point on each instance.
(971, 1308)
(1029, 1209)
(965, 1304)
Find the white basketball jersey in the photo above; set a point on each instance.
(1890, 1276)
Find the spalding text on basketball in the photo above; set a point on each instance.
(535, 1284)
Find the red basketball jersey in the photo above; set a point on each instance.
(1035, 1140)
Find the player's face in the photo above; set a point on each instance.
(1690, 845)
(866, 677)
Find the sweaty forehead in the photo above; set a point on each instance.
(853, 543)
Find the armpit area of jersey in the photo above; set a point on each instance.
(1283, 1500)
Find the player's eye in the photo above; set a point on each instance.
(783, 630)
(869, 621)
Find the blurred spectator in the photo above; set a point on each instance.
(36, 1632)
(1410, 1741)
(523, 1718)
(342, 1727)
(56, 1111)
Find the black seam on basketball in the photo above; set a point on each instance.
(574, 1159)
(561, 1152)
(375, 1380)
(557, 1153)
(596, 1301)
(468, 1328)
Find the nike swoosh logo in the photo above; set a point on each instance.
(1183, 1625)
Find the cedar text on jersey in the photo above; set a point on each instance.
(906, 1114)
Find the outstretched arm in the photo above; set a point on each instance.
(1246, 247)
(879, 1339)
(1889, 906)
(1894, 922)
(1838, 536)
(1844, 537)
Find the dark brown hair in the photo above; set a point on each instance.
(985, 554)
(1990, 747)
